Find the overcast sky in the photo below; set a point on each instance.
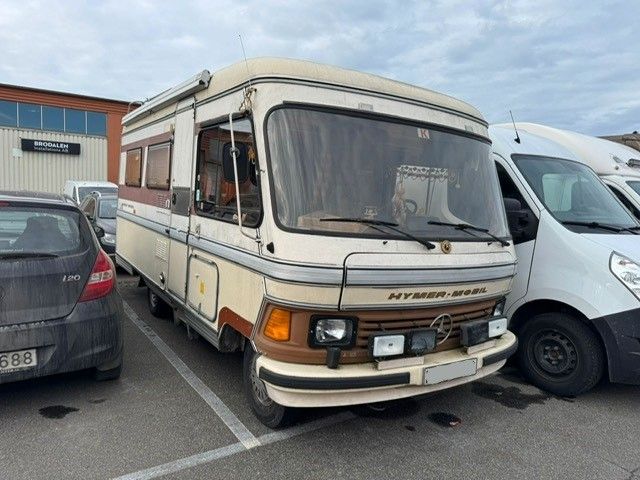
(568, 64)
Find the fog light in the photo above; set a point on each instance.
(420, 342)
(386, 345)
(497, 327)
(479, 331)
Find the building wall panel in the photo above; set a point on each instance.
(47, 172)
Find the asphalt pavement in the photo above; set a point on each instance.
(178, 411)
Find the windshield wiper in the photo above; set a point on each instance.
(602, 226)
(11, 255)
(466, 226)
(390, 225)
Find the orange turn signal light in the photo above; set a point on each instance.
(278, 326)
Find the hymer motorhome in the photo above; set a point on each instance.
(346, 231)
(575, 301)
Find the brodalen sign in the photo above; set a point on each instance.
(29, 145)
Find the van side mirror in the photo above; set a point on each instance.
(242, 159)
(522, 222)
(99, 231)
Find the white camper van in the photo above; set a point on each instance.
(617, 165)
(345, 230)
(575, 301)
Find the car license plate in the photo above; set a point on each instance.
(449, 371)
(18, 360)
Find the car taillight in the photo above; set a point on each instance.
(102, 279)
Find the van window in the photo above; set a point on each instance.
(133, 172)
(159, 166)
(572, 192)
(216, 197)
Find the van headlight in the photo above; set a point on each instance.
(332, 331)
(627, 271)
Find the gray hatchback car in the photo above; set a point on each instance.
(60, 310)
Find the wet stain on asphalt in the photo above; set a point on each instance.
(510, 397)
(97, 400)
(56, 411)
(411, 428)
(445, 419)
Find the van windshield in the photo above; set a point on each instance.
(328, 165)
(572, 192)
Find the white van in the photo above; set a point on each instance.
(574, 303)
(345, 230)
(77, 190)
(617, 165)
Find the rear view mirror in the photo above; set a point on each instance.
(242, 161)
(522, 222)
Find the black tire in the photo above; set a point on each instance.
(104, 375)
(560, 354)
(158, 307)
(268, 412)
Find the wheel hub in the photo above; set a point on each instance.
(555, 353)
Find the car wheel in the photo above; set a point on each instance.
(158, 307)
(268, 412)
(111, 374)
(560, 354)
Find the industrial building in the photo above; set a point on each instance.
(629, 139)
(49, 137)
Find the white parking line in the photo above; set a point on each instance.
(227, 451)
(242, 433)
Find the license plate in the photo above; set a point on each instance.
(449, 371)
(18, 360)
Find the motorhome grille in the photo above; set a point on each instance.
(368, 326)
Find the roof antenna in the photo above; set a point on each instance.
(517, 139)
(245, 59)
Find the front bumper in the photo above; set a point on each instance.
(297, 385)
(90, 336)
(620, 333)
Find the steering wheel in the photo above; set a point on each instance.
(410, 206)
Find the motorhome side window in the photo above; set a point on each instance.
(215, 193)
(158, 166)
(133, 172)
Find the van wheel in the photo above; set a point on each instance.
(268, 412)
(560, 354)
(158, 307)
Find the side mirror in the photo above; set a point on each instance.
(99, 231)
(242, 159)
(522, 223)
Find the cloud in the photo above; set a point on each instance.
(568, 64)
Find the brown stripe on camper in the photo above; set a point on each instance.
(231, 318)
(148, 196)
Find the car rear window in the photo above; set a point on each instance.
(40, 230)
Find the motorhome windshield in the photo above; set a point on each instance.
(574, 194)
(328, 165)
